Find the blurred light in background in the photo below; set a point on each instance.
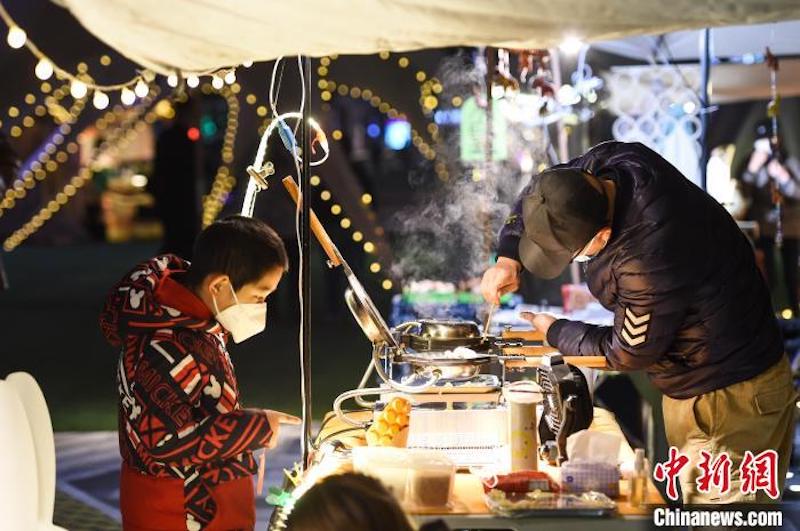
(373, 130)
(397, 135)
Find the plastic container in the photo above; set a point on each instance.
(431, 476)
(417, 478)
(387, 464)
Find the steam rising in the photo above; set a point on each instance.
(450, 234)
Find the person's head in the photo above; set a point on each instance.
(567, 217)
(348, 502)
(237, 262)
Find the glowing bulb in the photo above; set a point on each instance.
(78, 89)
(172, 80)
(345, 223)
(192, 81)
(138, 180)
(100, 100)
(16, 37)
(44, 69)
(230, 77)
(366, 199)
(357, 236)
(375, 267)
(369, 247)
(217, 82)
(387, 284)
(141, 89)
(247, 64)
(127, 96)
(571, 45)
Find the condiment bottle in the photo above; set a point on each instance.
(638, 480)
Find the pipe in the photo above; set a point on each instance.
(305, 271)
(705, 102)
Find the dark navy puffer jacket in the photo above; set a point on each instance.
(690, 306)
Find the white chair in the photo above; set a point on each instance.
(27, 457)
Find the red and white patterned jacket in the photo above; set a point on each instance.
(179, 411)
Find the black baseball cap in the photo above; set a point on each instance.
(564, 210)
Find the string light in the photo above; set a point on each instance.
(16, 37)
(224, 181)
(44, 164)
(78, 89)
(44, 69)
(127, 96)
(100, 100)
(141, 89)
(217, 82)
(172, 80)
(118, 139)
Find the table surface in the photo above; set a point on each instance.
(468, 496)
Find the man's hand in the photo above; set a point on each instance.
(501, 278)
(540, 321)
(275, 419)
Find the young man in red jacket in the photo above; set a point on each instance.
(185, 440)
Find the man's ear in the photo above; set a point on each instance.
(605, 235)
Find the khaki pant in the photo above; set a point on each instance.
(756, 415)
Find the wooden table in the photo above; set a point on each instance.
(469, 510)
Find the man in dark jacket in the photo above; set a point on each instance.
(186, 441)
(690, 307)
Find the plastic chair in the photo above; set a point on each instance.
(27, 456)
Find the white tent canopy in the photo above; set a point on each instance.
(783, 38)
(194, 36)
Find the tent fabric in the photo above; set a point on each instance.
(199, 35)
(731, 41)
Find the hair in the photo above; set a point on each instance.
(348, 502)
(240, 247)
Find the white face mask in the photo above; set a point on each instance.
(243, 321)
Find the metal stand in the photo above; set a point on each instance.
(305, 276)
(705, 101)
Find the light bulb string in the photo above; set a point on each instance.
(145, 76)
(19, 184)
(57, 70)
(110, 144)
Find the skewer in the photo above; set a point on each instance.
(488, 323)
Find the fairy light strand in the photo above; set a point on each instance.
(224, 180)
(117, 139)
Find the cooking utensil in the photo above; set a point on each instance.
(488, 323)
(357, 298)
